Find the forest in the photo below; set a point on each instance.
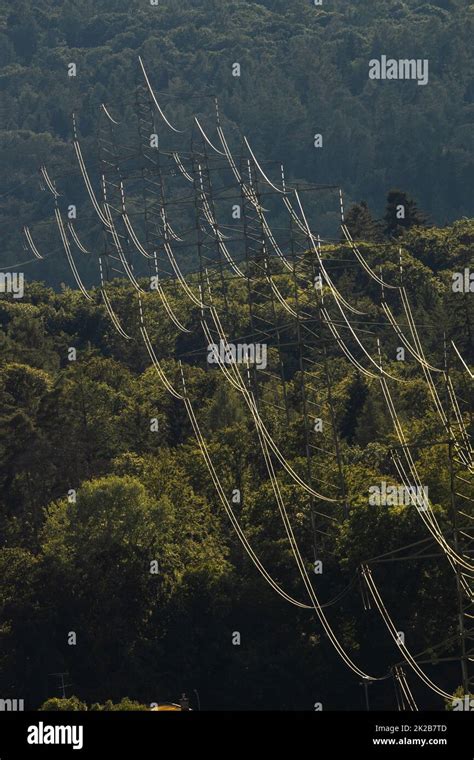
(171, 524)
(79, 423)
(304, 71)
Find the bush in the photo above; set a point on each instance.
(55, 704)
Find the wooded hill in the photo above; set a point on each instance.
(304, 71)
(81, 423)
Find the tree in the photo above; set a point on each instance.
(23, 32)
(401, 213)
(113, 561)
(71, 704)
(361, 223)
(125, 705)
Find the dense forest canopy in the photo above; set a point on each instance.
(81, 565)
(304, 71)
(119, 564)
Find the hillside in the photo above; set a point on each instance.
(102, 476)
(304, 71)
(235, 399)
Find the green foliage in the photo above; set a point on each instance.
(55, 704)
(304, 71)
(361, 223)
(125, 705)
(92, 499)
(401, 213)
(73, 704)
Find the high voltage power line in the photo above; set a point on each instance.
(309, 327)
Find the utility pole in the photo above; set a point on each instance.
(63, 686)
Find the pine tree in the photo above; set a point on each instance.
(361, 224)
(401, 213)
